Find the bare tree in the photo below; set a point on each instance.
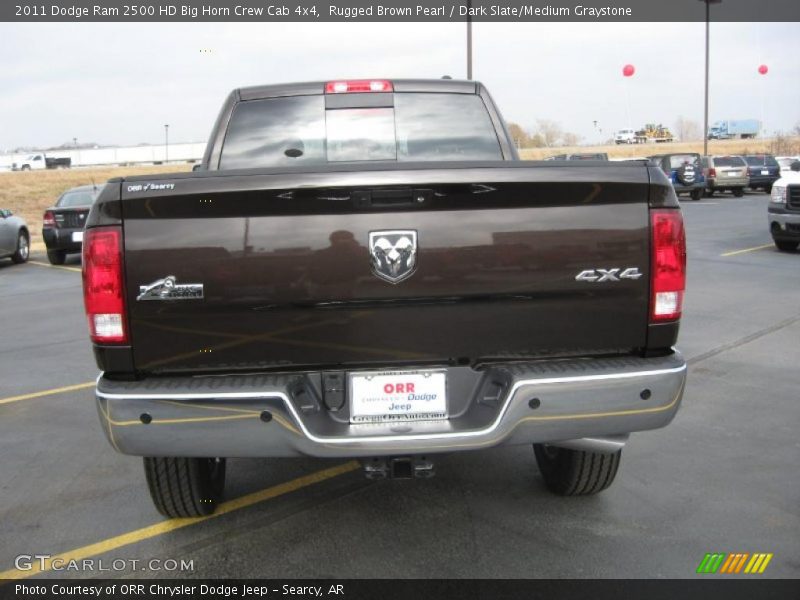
(783, 144)
(687, 130)
(537, 141)
(550, 131)
(571, 139)
(519, 135)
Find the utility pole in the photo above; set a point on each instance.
(469, 39)
(708, 4)
(166, 143)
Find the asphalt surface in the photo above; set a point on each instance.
(723, 477)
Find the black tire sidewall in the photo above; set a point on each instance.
(56, 257)
(786, 246)
(210, 481)
(552, 466)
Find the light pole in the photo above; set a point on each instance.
(469, 39)
(708, 4)
(166, 143)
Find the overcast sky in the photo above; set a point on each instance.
(120, 83)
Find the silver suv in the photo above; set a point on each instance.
(725, 173)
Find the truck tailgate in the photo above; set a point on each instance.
(287, 276)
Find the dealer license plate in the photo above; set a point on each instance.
(765, 171)
(733, 173)
(77, 236)
(392, 396)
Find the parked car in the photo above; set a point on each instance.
(725, 174)
(440, 294)
(684, 171)
(625, 136)
(38, 161)
(784, 209)
(762, 171)
(63, 223)
(15, 238)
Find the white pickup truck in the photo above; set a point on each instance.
(625, 136)
(38, 161)
(783, 213)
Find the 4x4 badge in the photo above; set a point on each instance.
(600, 275)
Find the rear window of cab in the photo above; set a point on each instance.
(301, 131)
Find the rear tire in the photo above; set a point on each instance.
(696, 194)
(738, 192)
(576, 472)
(185, 487)
(709, 193)
(785, 246)
(56, 257)
(23, 248)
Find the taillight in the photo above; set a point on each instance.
(712, 172)
(748, 171)
(48, 220)
(103, 289)
(668, 269)
(359, 86)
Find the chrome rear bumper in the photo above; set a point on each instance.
(283, 414)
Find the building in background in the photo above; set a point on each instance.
(114, 156)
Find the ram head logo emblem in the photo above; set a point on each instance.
(393, 254)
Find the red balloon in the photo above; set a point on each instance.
(763, 69)
(628, 70)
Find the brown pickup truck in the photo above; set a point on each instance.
(366, 269)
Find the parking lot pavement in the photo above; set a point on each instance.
(43, 342)
(721, 478)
